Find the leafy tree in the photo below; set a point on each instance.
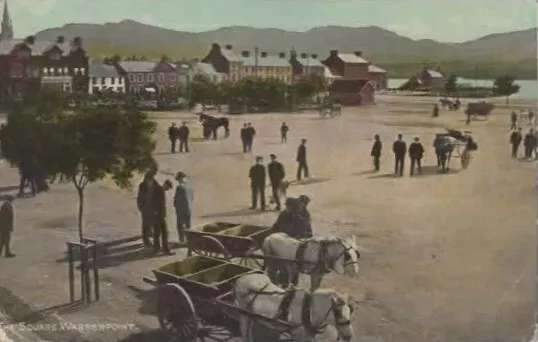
(505, 86)
(412, 84)
(202, 90)
(451, 86)
(84, 147)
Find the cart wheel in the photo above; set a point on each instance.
(465, 159)
(176, 314)
(212, 333)
(211, 247)
(259, 332)
(249, 261)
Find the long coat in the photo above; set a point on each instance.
(183, 198)
(153, 205)
(6, 217)
(293, 222)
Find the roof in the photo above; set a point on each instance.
(38, 48)
(99, 69)
(310, 62)
(352, 58)
(230, 56)
(375, 69)
(137, 66)
(269, 61)
(434, 74)
(205, 68)
(347, 86)
(329, 74)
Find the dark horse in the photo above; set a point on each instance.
(443, 150)
(211, 124)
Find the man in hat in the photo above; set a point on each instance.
(376, 151)
(173, 135)
(304, 200)
(160, 228)
(301, 160)
(399, 148)
(257, 183)
(291, 222)
(530, 142)
(284, 129)
(513, 120)
(183, 135)
(515, 140)
(250, 134)
(244, 133)
(276, 176)
(7, 218)
(416, 152)
(146, 200)
(183, 200)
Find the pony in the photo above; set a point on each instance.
(443, 148)
(308, 313)
(315, 256)
(213, 124)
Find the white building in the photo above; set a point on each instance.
(104, 77)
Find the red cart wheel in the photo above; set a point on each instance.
(176, 314)
(211, 247)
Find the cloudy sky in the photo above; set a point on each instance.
(443, 20)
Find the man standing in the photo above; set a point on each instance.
(244, 133)
(160, 228)
(276, 176)
(173, 135)
(399, 148)
(515, 139)
(530, 143)
(301, 159)
(435, 110)
(376, 151)
(257, 183)
(27, 170)
(183, 200)
(284, 129)
(146, 201)
(251, 132)
(513, 120)
(438, 143)
(183, 134)
(7, 219)
(416, 152)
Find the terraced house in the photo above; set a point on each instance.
(104, 77)
(264, 66)
(149, 76)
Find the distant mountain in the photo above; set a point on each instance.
(379, 45)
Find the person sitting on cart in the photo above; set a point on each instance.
(291, 222)
(471, 145)
(304, 200)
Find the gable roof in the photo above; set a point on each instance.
(348, 86)
(434, 73)
(269, 61)
(38, 48)
(313, 62)
(329, 74)
(375, 69)
(137, 66)
(99, 69)
(230, 56)
(352, 58)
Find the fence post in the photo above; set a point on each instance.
(71, 272)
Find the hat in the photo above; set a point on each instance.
(258, 158)
(304, 199)
(168, 183)
(180, 175)
(272, 155)
(290, 201)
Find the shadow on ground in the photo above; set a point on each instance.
(235, 213)
(364, 173)
(146, 336)
(148, 298)
(9, 188)
(310, 181)
(426, 172)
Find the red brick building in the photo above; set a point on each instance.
(349, 66)
(352, 92)
(145, 75)
(432, 78)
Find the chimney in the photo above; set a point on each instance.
(334, 53)
(358, 53)
(228, 47)
(215, 46)
(245, 53)
(314, 56)
(77, 41)
(282, 55)
(60, 39)
(29, 40)
(264, 54)
(293, 54)
(304, 55)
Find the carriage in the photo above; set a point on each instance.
(330, 109)
(462, 145)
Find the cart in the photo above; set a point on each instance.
(459, 144)
(195, 303)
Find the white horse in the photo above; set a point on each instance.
(316, 256)
(307, 313)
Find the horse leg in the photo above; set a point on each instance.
(243, 326)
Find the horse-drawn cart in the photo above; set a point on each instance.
(195, 303)
(462, 144)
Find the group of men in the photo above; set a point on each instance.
(399, 148)
(151, 202)
(515, 117)
(247, 137)
(179, 133)
(530, 143)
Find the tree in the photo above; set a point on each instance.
(84, 147)
(505, 86)
(451, 86)
(202, 90)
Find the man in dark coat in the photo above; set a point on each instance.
(416, 152)
(257, 183)
(147, 201)
(435, 110)
(183, 202)
(160, 228)
(301, 159)
(7, 219)
(515, 140)
(530, 143)
(376, 151)
(291, 222)
(183, 135)
(251, 133)
(305, 200)
(399, 148)
(244, 133)
(513, 120)
(276, 176)
(173, 135)
(27, 170)
(284, 129)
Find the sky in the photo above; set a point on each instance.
(442, 20)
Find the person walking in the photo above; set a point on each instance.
(376, 151)
(276, 176)
(183, 134)
(183, 201)
(251, 133)
(530, 143)
(7, 220)
(173, 135)
(284, 129)
(399, 148)
(435, 110)
(515, 140)
(160, 228)
(146, 200)
(513, 120)
(244, 133)
(301, 159)
(416, 152)
(257, 183)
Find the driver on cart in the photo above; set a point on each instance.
(292, 220)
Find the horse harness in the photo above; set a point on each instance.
(324, 267)
(283, 308)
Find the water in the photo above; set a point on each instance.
(528, 88)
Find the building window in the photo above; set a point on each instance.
(45, 71)
(151, 78)
(161, 77)
(120, 80)
(76, 71)
(66, 70)
(132, 77)
(103, 80)
(82, 71)
(95, 80)
(113, 80)
(172, 77)
(140, 78)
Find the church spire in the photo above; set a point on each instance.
(6, 26)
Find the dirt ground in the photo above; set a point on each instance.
(445, 257)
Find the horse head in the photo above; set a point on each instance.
(330, 307)
(344, 255)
